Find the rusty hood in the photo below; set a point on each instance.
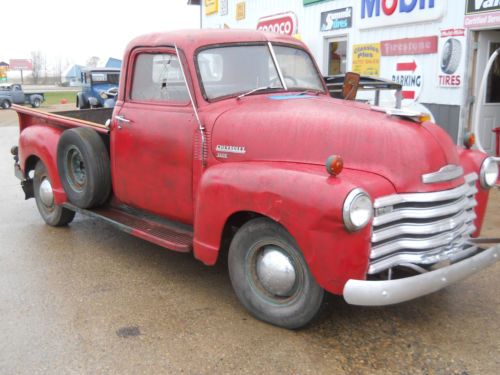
(309, 128)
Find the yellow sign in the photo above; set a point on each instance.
(240, 11)
(366, 59)
(211, 6)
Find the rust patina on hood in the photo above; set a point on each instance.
(308, 128)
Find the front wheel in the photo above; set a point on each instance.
(51, 213)
(270, 276)
(6, 104)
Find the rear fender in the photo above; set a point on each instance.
(41, 141)
(303, 198)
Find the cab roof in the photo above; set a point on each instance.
(190, 40)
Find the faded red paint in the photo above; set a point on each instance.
(156, 159)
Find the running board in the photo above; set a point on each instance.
(159, 233)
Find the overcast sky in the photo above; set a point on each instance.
(76, 30)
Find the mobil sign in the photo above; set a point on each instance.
(380, 13)
(283, 23)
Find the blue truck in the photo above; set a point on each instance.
(99, 88)
(12, 93)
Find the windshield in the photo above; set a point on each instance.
(234, 70)
(105, 78)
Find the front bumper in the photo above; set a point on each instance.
(380, 293)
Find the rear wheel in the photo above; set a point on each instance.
(36, 103)
(270, 276)
(83, 163)
(51, 213)
(6, 104)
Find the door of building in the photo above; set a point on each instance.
(336, 56)
(489, 119)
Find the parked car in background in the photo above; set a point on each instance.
(99, 88)
(11, 93)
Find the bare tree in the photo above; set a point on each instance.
(93, 61)
(58, 70)
(39, 65)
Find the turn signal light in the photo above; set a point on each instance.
(334, 165)
(469, 140)
(424, 117)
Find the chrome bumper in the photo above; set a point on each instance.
(380, 293)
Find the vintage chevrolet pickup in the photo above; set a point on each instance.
(227, 141)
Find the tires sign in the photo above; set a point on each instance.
(451, 58)
(409, 75)
(283, 23)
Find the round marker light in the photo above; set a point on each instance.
(469, 140)
(334, 165)
(358, 210)
(488, 175)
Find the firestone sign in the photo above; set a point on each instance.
(381, 13)
(283, 23)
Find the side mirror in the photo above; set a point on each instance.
(351, 85)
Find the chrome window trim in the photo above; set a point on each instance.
(447, 173)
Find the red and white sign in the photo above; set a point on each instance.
(282, 23)
(476, 21)
(409, 75)
(409, 46)
(20, 64)
(452, 58)
(383, 13)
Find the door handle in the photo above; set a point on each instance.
(121, 120)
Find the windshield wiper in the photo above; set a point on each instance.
(258, 89)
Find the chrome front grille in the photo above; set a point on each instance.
(423, 228)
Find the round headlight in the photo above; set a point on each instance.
(489, 173)
(358, 210)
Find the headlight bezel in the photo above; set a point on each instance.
(353, 196)
(483, 179)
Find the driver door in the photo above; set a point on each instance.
(151, 137)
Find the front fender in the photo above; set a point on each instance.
(303, 198)
(41, 141)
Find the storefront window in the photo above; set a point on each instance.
(337, 56)
(493, 90)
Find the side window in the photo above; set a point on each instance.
(158, 77)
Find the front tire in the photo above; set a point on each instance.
(270, 276)
(51, 213)
(6, 104)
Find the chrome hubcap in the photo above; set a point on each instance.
(276, 271)
(46, 193)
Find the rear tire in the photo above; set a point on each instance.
(6, 104)
(36, 103)
(270, 276)
(84, 168)
(52, 214)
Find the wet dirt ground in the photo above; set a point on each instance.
(88, 299)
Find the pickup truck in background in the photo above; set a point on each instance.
(227, 141)
(11, 93)
(99, 88)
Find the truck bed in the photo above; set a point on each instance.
(91, 118)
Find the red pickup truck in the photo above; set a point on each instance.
(227, 141)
